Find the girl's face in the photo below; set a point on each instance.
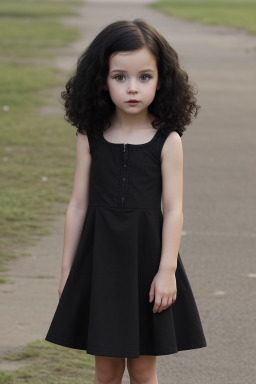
(133, 75)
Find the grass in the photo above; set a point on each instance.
(37, 9)
(41, 362)
(233, 13)
(30, 28)
(37, 152)
(21, 41)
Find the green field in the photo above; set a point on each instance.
(233, 13)
(46, 363)
(37, 149)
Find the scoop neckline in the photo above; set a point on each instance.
(130, 144)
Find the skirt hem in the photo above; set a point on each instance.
(129, 354)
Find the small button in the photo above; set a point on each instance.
(124, 165)
(123, 179)
(122, 198)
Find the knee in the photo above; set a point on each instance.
(141, 376)
(144, 373)
(107, 377)
(109, 371)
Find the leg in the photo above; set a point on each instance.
(142, 370)
(109, 370)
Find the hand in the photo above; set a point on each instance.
(63, 279)
(164, 288)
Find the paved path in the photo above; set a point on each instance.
(219, 240)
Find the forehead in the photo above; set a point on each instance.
(140, 58)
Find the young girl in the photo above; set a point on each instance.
(124, 292)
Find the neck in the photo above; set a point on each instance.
(128, 122)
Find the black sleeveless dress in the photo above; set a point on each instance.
(104, 307)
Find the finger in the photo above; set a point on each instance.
(151, 293)
(157, 303)
(160, 308)
(174, 298)
(164, 302)
(169, 301)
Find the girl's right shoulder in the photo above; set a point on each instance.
(83, 144)
(88, 141)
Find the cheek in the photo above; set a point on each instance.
(115, 92)
(151, 91)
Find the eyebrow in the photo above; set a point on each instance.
(122, 70)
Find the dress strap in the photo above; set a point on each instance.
(165, 133)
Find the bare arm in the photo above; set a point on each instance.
(77, 207)
(163, 286)
(172, 196)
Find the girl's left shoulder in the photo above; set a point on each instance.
(172, 148)
(174, 136)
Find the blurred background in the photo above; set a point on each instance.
(40, 42)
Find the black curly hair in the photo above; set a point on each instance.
(89, 107)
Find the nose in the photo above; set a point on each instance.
(132, 87)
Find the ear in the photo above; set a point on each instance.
(158, 85)
(105, 87)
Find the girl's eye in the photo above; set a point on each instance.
(145, 77)
(119, 77)
(142, 77)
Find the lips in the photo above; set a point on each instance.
(132, 101)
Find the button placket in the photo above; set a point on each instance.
(124, 173)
